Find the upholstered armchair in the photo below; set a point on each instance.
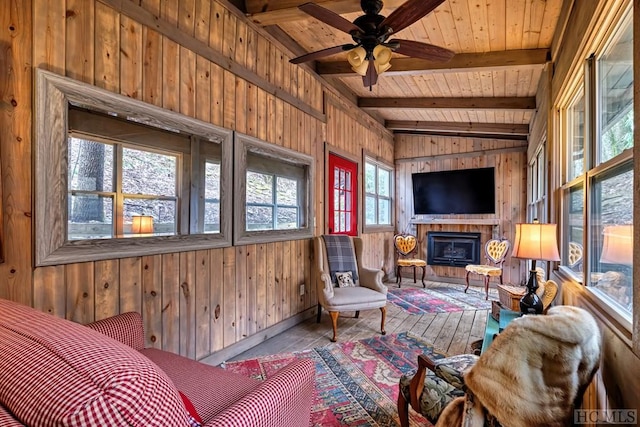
(406, 246)
(357, 288)
(558, 354)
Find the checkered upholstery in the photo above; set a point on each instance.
(7, 420)
(126, 328)
(284, 400)
(199, 382)
(56, 372)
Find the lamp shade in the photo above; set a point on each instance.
(357, 60)
(359, 63)
(617, 247)
(142, 224)
(536, 241)
(382, 55)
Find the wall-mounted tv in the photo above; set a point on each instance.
(464, 191)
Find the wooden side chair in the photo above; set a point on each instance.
(575, 256)
(495, 251)
(407, 245)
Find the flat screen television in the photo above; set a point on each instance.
(464, 191)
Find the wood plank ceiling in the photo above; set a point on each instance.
(489, 87)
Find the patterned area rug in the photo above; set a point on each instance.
(438, 299)
(356, 382)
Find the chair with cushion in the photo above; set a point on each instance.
(343, 283)
(575, 256)
(406, 246)
(495, 251)
(55, 372)
(557, 353)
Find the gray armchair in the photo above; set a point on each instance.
(367, 291)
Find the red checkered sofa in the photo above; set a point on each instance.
(57, 372)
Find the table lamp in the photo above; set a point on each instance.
(535, 241)
(617, 247)
(142, 224)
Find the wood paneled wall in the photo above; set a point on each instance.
(424, 153)
(196, 302)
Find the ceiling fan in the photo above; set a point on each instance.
(370, 54)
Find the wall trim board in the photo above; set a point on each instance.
(241, 346)
(146, 18)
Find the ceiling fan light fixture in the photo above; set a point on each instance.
(357, 60)
(382, 55)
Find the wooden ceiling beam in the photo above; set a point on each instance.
(506, 59)
(475, 128)
(273, 12)
(494, 136)
(481, 103)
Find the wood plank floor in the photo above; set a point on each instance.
(449, 332)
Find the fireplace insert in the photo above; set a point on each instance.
(453, 249)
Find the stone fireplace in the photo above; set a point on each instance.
(453, 249)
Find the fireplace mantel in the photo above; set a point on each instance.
(455, 221)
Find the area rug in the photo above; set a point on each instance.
(437, 299)
(356, 381)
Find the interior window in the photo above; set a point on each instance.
(378, 193)
(274, 200)
(110, 169)
(106, 200)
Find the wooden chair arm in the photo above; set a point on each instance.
(417, 382)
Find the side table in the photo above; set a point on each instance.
(494, 327)
(510, 296)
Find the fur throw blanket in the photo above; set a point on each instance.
(533, 374)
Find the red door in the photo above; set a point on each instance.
(343, 196)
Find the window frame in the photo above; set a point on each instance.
(54, 95)
(369, 158)
(593, 166)
(245, 145)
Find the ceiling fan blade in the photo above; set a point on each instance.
(329, 17)
(422, 50)
(371, 78)
(408, 13)
(322, 53)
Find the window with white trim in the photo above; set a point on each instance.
(378, 193)
(537, 187)
(597, 195)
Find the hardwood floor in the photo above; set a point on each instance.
(450, 332)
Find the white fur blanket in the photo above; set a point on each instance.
(534, 372)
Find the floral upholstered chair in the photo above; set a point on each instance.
(407, 245)
(495, 252)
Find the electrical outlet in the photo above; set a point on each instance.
(302, 289)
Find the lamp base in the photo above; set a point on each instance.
(531, 302)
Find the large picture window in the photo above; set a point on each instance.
(274, 200)
(110, 169)
(378, 179)
(597, 202)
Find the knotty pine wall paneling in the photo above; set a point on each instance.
(424, 153)
(167, 53)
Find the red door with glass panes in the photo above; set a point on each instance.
(343, 196)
